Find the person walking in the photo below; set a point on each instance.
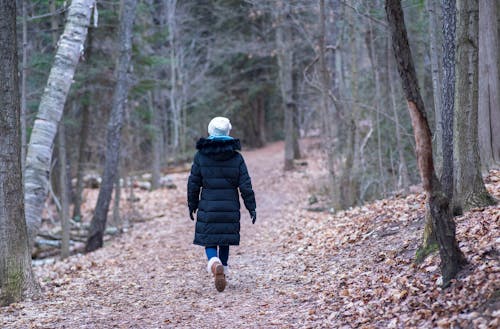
(217, 173)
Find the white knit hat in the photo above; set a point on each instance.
(219, 126)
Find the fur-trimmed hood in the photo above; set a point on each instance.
(218, 149)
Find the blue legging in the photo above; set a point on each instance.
(211, 251)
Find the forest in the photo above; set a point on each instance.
(371, 132)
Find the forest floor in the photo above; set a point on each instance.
(295, 268)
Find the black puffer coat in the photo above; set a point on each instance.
(219, 171)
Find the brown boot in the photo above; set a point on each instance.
(217, 270)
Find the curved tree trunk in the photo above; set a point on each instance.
(16, 276)
(50, 111)
(452, 258)
(115, 123)
(469, 189)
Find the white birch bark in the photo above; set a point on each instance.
(50, 111)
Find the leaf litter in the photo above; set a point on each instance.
(295, 268)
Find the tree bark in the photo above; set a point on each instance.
(115, 123)
(50, 111)
(469, 189)
(16, 276)
(446, 124)
(64, 211)
(452, 258)
(284, 40)
(157, 139)
(448, 8)
(117, 221)
(489, 84)
(86, 108)
(174, 74)
(82, 158)
(23, 84)
(403, 177)
(329, 128)
(372, 54)
(432, 8)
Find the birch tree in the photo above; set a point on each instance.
(115, 123)
(16, 276)
(39, 154)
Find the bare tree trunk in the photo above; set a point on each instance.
(429, 241)
(157, 143)
(469, 189)
(261, 119)
(378, 99)
(16, 276)
(86, 108)
(489, 84)
(64, 211)
(284, 41)
(174, 72)
(23, 85)
(295, 117)
(82, 158)
(432, 8)
(353, 167)
(116, 204)
(98, 224)
(452, 258)
(329, 128)
(448, 94)
(50, 112)
(403, 177)
(444, 124)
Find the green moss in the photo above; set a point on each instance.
(12, 287)
(425, 250)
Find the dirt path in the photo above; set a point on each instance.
(154, 277)
(294, 268)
